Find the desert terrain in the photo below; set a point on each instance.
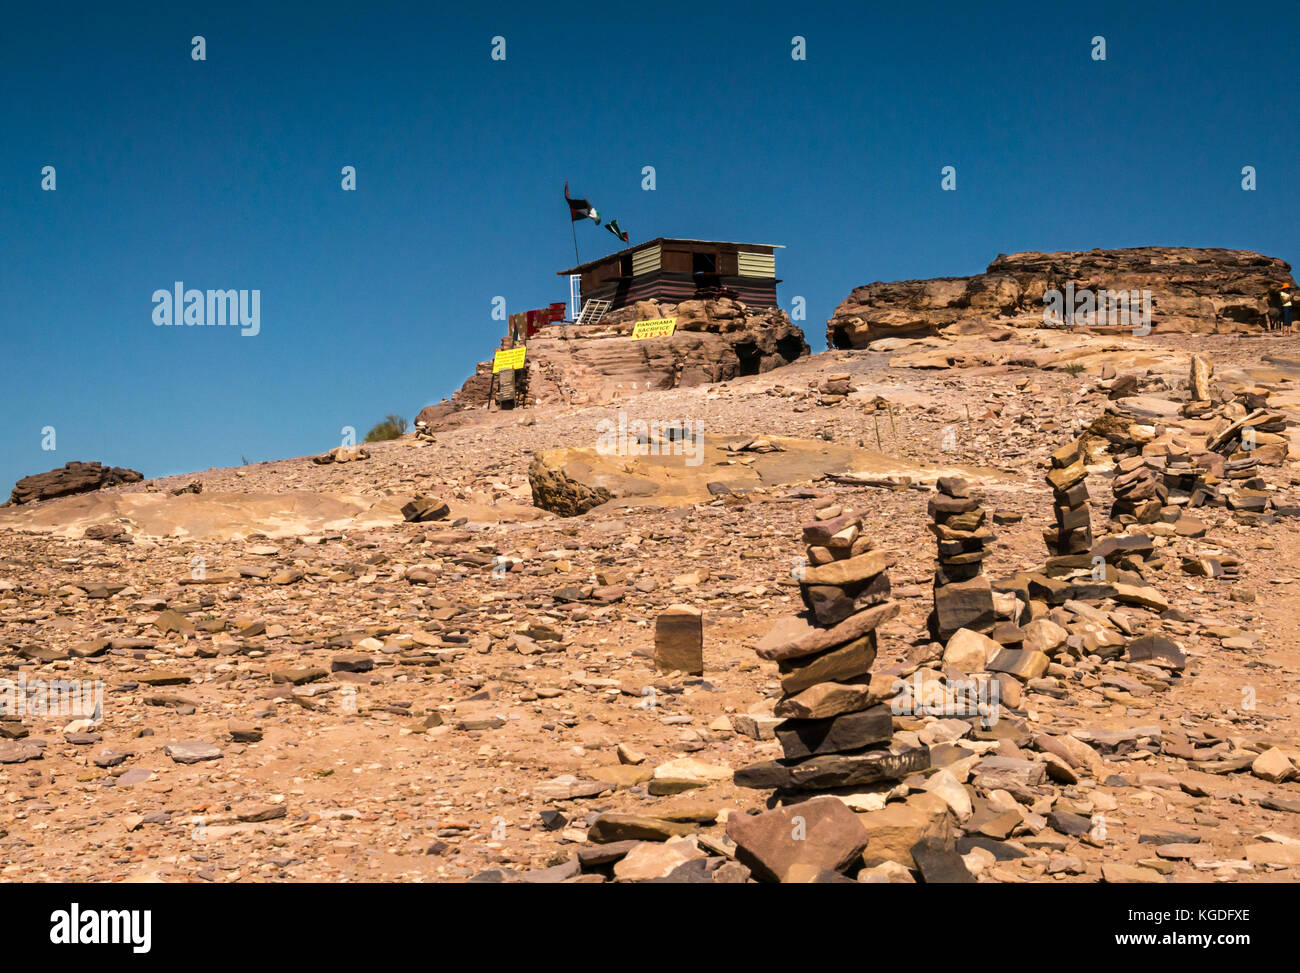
(300, 685)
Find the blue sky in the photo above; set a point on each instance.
(225, 173)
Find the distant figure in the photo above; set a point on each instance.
(1285, 297)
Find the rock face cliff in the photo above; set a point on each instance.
(1192, 290)
(714, 341)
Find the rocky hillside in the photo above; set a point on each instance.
(714, 341)
(308, 673)
(1192, 291)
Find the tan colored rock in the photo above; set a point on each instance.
(824, 700)
(651, 860)
(1199, 379)
(679, 640)
(791, 639)
(893, 830)
(1273, 765)
(969, 651)
(849, 571)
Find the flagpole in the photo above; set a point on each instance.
(576, 259)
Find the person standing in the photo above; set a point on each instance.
(1285, 297)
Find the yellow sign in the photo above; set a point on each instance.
(510, 358)
(658, 328)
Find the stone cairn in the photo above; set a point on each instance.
(1159, 476)
(835, 732)
(1068, 480)
(1139, 491)
(963, 597)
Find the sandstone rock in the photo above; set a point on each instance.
(342, 454)
(1008, 773)
(895, 830)
(856, 569)
(423, 508)
(192, 751)
(833, 770)
(1194, 290)
(939, 863)
(1024, 664)
(679, 640)
(1143, 595)
(686, 773)
(12, 752)
(833, 665)
(793, 638)
(1117, 873)
(945, 786)
(969, 651)
(650, 860)
(1199, 379)
(1157, 648)
(1273, 765)
(819, 833)
(1044, 635)
(611, 826)
(824, 700)
(69, 479)
(836, 734)
(963, 604)
(714, 341)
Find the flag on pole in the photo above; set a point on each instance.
(580, 209)
(613, 228)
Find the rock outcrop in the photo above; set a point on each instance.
(1192, 290)
(663, 470)
(714, 341)
(70, 479)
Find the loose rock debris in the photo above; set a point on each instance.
(678, 691)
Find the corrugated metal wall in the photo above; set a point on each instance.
(757, 264)
(646, 261)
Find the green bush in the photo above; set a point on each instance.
(391, 428)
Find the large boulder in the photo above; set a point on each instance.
(560, 489)
(69, 479)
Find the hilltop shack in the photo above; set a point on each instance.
(673, 271)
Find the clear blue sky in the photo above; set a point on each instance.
(225, 173)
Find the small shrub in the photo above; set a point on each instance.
(392, 427)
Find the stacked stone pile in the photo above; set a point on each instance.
(963, 597)
(1067, 478)
(835, 733)
(835, 389)
(1139, 491)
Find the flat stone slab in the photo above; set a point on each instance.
(17, 752)
(192, 751)
(849, 731)
(833, 770)
(797, 842)
(795, 637)
(835, 665)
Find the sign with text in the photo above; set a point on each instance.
(657, 328)
(508, 359)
